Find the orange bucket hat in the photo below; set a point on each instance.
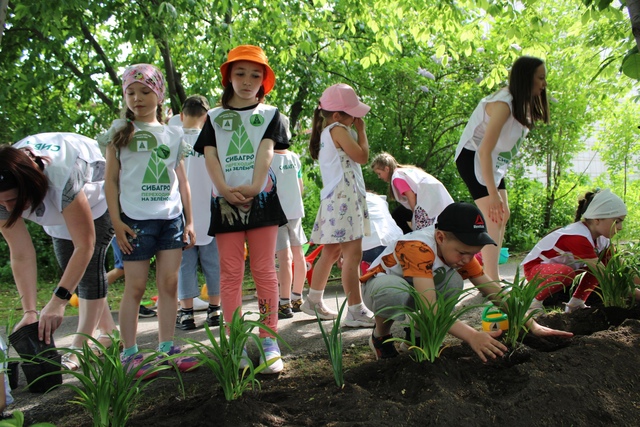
(254, 54)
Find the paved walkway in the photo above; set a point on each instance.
(301, 332)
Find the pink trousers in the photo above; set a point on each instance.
(262, 248)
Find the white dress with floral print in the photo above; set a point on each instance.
(343, 215)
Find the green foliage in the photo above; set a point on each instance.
(107, 391)
(516, 300)
(17, 420)
(48, 268)
(224, 359)
(333, 342)
(617, 278)
(431, 321)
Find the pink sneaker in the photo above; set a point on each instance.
(133, 362)
(183, 363)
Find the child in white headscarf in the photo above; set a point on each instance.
(564, 253)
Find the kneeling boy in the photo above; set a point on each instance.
(435, 260)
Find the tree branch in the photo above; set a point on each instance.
(103, 57)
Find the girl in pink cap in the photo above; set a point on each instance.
(238, 140)
(342, 219)
(149, 202)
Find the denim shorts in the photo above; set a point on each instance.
(152, 236)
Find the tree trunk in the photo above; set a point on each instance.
(634, 14)
(3, 16)
(297, 105)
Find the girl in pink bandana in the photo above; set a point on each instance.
(149, 203)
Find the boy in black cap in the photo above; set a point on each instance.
(435, 260)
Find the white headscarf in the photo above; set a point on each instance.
(605, 204)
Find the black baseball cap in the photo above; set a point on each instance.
(466, 222)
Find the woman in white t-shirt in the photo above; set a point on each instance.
(56, 180)
(491, 140)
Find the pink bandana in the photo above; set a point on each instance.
(146, 74)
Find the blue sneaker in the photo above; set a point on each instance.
(272, 353)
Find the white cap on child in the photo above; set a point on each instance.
(605, 204)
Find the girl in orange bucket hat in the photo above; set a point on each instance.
(252, 54)
(238, 140)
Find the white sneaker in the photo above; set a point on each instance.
(571, 308)
(271, 352)
(199, 305)
(364, 319)
(244, 362)
(324, 312)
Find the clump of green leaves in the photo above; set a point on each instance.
(107, 390)
(333, 342)
(225, 358)
(516, 300)
(17, 420)
(616, 279)
(431, 321)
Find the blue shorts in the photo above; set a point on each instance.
(117, 255)
(153, 235)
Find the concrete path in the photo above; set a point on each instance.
(301, 332)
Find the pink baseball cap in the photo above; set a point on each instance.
(342, 97)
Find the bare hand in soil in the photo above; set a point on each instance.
(542, 331)
(485, 344)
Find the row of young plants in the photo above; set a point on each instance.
(618, 280)
(108, 392)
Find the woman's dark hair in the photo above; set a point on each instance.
(227, 94)
(317, 125)
(527, 109)
(583, 204)
(23, 170)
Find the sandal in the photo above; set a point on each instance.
(70, 361)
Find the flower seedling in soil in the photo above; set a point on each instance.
(227, 359)
(107, 389)
(431, 321)
(333, 342)
(617, 279)
(515, 299)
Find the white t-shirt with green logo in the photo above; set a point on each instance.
(148, 180)
(63, 151)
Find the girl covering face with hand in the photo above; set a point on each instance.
(343, 219)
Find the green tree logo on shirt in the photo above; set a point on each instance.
(240, 143)
(157, 169)
(144, 141)
(508, 155)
